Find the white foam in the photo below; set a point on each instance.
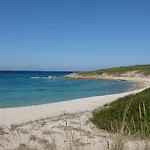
(35, 77)
(49, 77)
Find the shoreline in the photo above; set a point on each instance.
(137, 83)
(18, 115)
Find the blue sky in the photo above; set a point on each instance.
(73, 35)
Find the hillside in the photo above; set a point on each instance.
(124, 71)
(129, 115)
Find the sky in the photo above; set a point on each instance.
(73, 34)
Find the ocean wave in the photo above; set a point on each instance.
(35, 77)
(49, 77)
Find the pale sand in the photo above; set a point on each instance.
(22, 114)
(57, 129)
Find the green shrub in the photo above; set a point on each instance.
(145, 69)
(130, 115)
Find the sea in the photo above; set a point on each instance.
(27, 88)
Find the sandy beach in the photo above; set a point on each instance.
(74, 75)
(62, 125)
(10, 116)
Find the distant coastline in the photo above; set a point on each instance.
(125, 73)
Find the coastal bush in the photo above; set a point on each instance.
(129, 115)
(144, 69)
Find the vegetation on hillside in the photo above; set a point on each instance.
(144, 69)
(129, 115)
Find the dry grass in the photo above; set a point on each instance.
(24, 147)
(75, 137)
(49, 132)
(22, 131)
(118, 144)
(42, 141)
(2, 131)
(33, 138)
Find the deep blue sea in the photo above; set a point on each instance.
(25, 88)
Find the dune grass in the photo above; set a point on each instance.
(72, 138)
(129, 115)
(144, 69)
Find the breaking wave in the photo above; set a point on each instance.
(49, 77)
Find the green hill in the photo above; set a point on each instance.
(144, 69)
(130, 115)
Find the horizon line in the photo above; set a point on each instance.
(40, 70)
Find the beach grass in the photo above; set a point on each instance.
(144, 69)
(129, 115)
(72, 139)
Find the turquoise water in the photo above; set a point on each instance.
(34, 88)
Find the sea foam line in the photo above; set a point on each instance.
(49, 77)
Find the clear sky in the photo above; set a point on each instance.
(73, 34)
